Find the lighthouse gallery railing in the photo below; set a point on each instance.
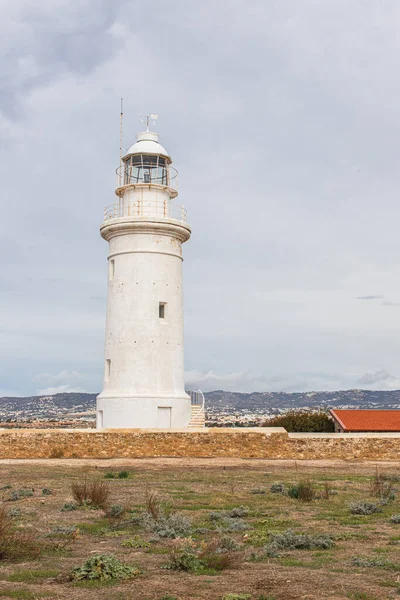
(157, 209)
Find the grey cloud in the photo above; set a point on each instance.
(282, 121)
(377, 297)
(376, 377)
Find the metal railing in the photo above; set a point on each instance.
(165, 176)
(197, 399)
(157, 209)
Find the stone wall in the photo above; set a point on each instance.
(234, 443)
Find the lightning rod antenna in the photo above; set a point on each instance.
(120, 130)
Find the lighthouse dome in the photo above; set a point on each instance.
(147, 143)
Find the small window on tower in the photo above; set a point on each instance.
(111, 269)
(108, 369)
(161, 310)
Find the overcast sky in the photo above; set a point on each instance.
(282, 118)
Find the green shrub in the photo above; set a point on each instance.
(135, 542)
(364, 561)
(364, 507)
(103, 567)
(303, 491)
(123, 475)
(303, 421)
(234, 513)
(232, 525)
(277, 488)
(167, 525)
(19, 494)
(115, 511)
(110, 475)
(395, 519)
(69, 506)
(201, 557)
(46, 492)
(288, 540)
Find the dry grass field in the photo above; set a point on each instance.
(205, 529)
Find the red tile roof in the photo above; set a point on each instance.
(367, 420)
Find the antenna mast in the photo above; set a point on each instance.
(120, 131)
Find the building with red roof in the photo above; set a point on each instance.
(347, 421)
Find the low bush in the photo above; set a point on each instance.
(395, 519)
(303, 421)
(115, 511)
(236, 597)
(364, 561)
(382, 487)
(19, 494)
(193, 557)
(120, 475)
(46, 492)
(167, 524)
(235, 513)
(61, 538)
(288, 540)
(303, 491)
(135, 542)
(277, 488)
(364, 507)
(257, 491)
(95, 493)
(68, 507)
(16, 544)
(103, 567)
(232, 525)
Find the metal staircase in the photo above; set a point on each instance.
(197, 418)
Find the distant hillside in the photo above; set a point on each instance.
(62, 406)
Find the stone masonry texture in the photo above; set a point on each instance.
(256, 443)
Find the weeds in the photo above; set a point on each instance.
(19, 494)
(103, 567)
(382, 487)
(135, 542)
(162, 521)
(364, 561)
(61, 538)
(193, 557)
(120, 475)
(364, 507)
(288, 540)
(395, 519)
(16, 544)
(94, 494)
(258, 491)
(303, 491)
(46, 492)
(68, 507)
(116, 511)
(277, 488)
(32, 576)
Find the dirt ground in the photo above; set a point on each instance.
(195, 488)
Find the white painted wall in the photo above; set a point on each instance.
(145, 353)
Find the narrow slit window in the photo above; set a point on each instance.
(162, 310)
(108, 369)
(111, 269)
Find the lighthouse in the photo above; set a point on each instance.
(144, 354)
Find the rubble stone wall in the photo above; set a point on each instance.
(238, 443)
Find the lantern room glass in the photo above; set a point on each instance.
(144, 168)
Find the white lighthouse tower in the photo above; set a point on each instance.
(143, 371)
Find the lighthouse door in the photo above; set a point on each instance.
(164, 417)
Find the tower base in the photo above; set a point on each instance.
(143, 413)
